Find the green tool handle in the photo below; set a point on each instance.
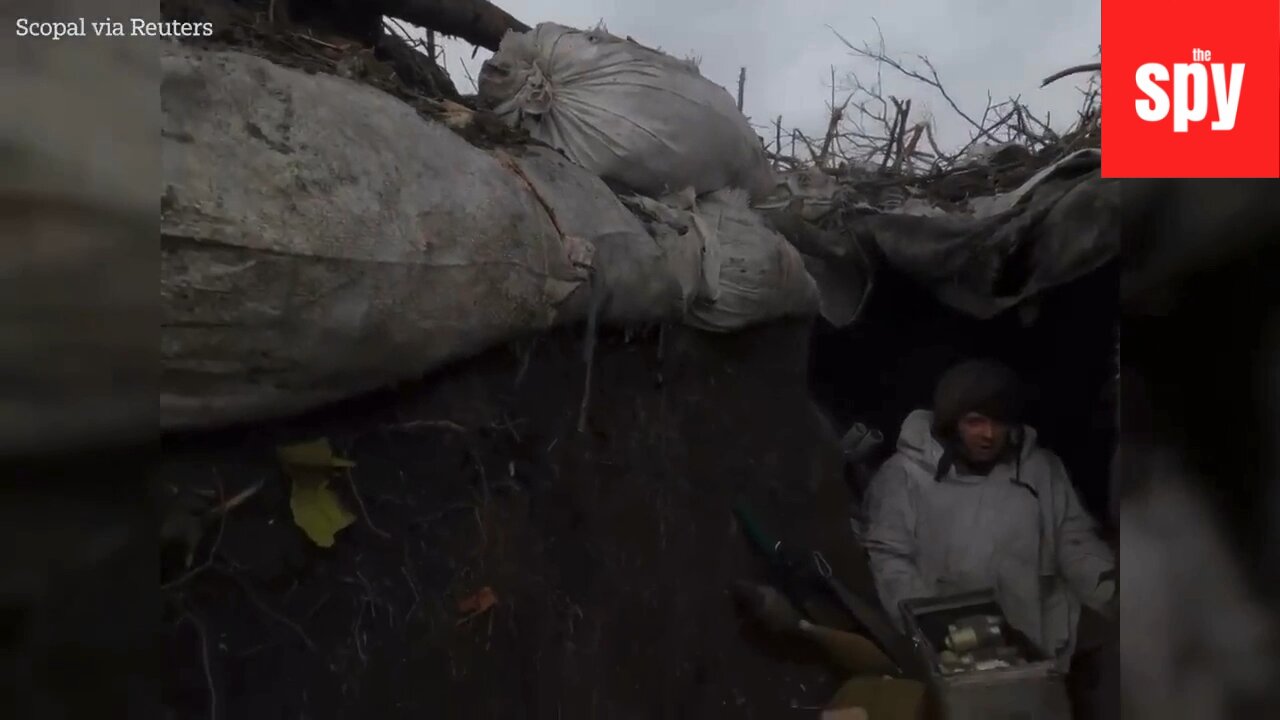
(753, 531)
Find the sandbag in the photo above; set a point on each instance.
(632, 276)
(750, 273)
(632, 115)
(760, 277)
(320, 239)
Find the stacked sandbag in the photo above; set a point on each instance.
(320, 239)
(750, 273)
(634, 116)
(627, 273)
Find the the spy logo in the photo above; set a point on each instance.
(1191, 83)
(1190, 93)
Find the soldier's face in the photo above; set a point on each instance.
(982, 439)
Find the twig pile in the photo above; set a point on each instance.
(874, 140)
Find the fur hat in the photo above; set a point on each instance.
(987, 387)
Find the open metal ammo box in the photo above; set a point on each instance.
(1033, 690)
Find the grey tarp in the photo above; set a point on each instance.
(1001, 250)
(1057, 227)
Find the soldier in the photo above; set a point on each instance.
(970, 502)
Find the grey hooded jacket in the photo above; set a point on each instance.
(1020, 531)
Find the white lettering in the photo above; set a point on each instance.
(1195, 76)
(1227, 95)
(1156, 107)
(1190, 101)
(51, 30)
(109, 28)
(106, 27)
(171, 28)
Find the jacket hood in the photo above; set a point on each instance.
(916, 441)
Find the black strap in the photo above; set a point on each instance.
(944, 463)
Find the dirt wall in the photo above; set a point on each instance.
(610, 551)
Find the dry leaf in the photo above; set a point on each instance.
(317, 510)
(311, 454)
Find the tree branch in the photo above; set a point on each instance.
(479, 22)
(1073, 70)
(932, 79)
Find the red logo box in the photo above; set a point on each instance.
(1190, 89)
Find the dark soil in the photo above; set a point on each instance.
(611, 551)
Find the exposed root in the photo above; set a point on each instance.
(364, 511)
(253, 597)
(204, 658)
(221, 510)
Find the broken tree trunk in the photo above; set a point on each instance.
(350, 19)
(414, 67)
(479, 22)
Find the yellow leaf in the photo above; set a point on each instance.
(317, 510)
(311, 454)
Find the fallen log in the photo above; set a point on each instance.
(1073, 70)
(479, 22)
(414, 68)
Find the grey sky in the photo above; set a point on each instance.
(1001, 46)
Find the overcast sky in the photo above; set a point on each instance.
(1002, 46)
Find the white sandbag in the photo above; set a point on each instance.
(631, 115)
(636, 277)
(755, 275)
(320, 239)
(761, 276)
